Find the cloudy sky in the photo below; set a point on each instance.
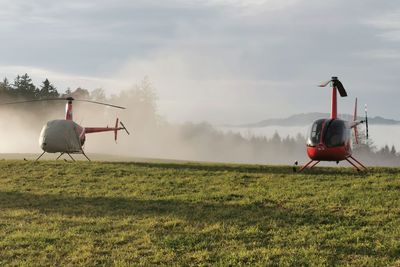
(224, 61)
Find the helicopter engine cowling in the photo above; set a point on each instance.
(64, 136)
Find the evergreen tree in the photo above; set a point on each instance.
(4, 86)
(23, 87)
(68, 92)
(276, 142)
(385, 151)
(393, 151)
(276, 139)
(48, 90)
(5, 90)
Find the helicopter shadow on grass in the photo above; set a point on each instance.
(268, 215)
(329, 172)
(215, 167)
(253, 169)
(197, 212)
(220, 210)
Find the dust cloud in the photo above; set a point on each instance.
(21, 125)
(151, 135)
(154, 137)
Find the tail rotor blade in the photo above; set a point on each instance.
(123, 126)
(116, 130)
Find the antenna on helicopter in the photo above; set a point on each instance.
(366, 121)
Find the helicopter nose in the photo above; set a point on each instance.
(43, 142)
(43, 145)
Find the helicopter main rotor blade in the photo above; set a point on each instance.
(323, 84)
(30, 101)
(100, 103)
(61, 99)
(340, 87)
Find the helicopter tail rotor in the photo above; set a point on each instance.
(124, 128)
(116, 129)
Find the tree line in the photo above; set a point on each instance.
(22, 87)
(155, 137)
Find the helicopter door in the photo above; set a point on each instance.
(314, 136)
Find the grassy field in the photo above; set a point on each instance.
(60, 213)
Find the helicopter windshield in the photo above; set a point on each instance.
(336, 133)
(314, 136)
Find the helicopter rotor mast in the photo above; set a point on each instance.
(68, 109)
(336, 86)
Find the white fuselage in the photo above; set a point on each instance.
(63, 136)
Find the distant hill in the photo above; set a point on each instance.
(305, 119)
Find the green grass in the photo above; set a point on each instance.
(57, 213)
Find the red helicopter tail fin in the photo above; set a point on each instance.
(116, 130)
(354, 120)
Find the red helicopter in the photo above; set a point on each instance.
(330, 139)
(66, 136)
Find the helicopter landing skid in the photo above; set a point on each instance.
(83, 153)
(309, 165)
(360, 166)
(62, 153)
(354, 162)
(40, 156)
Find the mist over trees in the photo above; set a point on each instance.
(153, 136)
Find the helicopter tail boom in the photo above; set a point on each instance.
(108, 129)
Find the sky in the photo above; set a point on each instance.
(222, 61)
